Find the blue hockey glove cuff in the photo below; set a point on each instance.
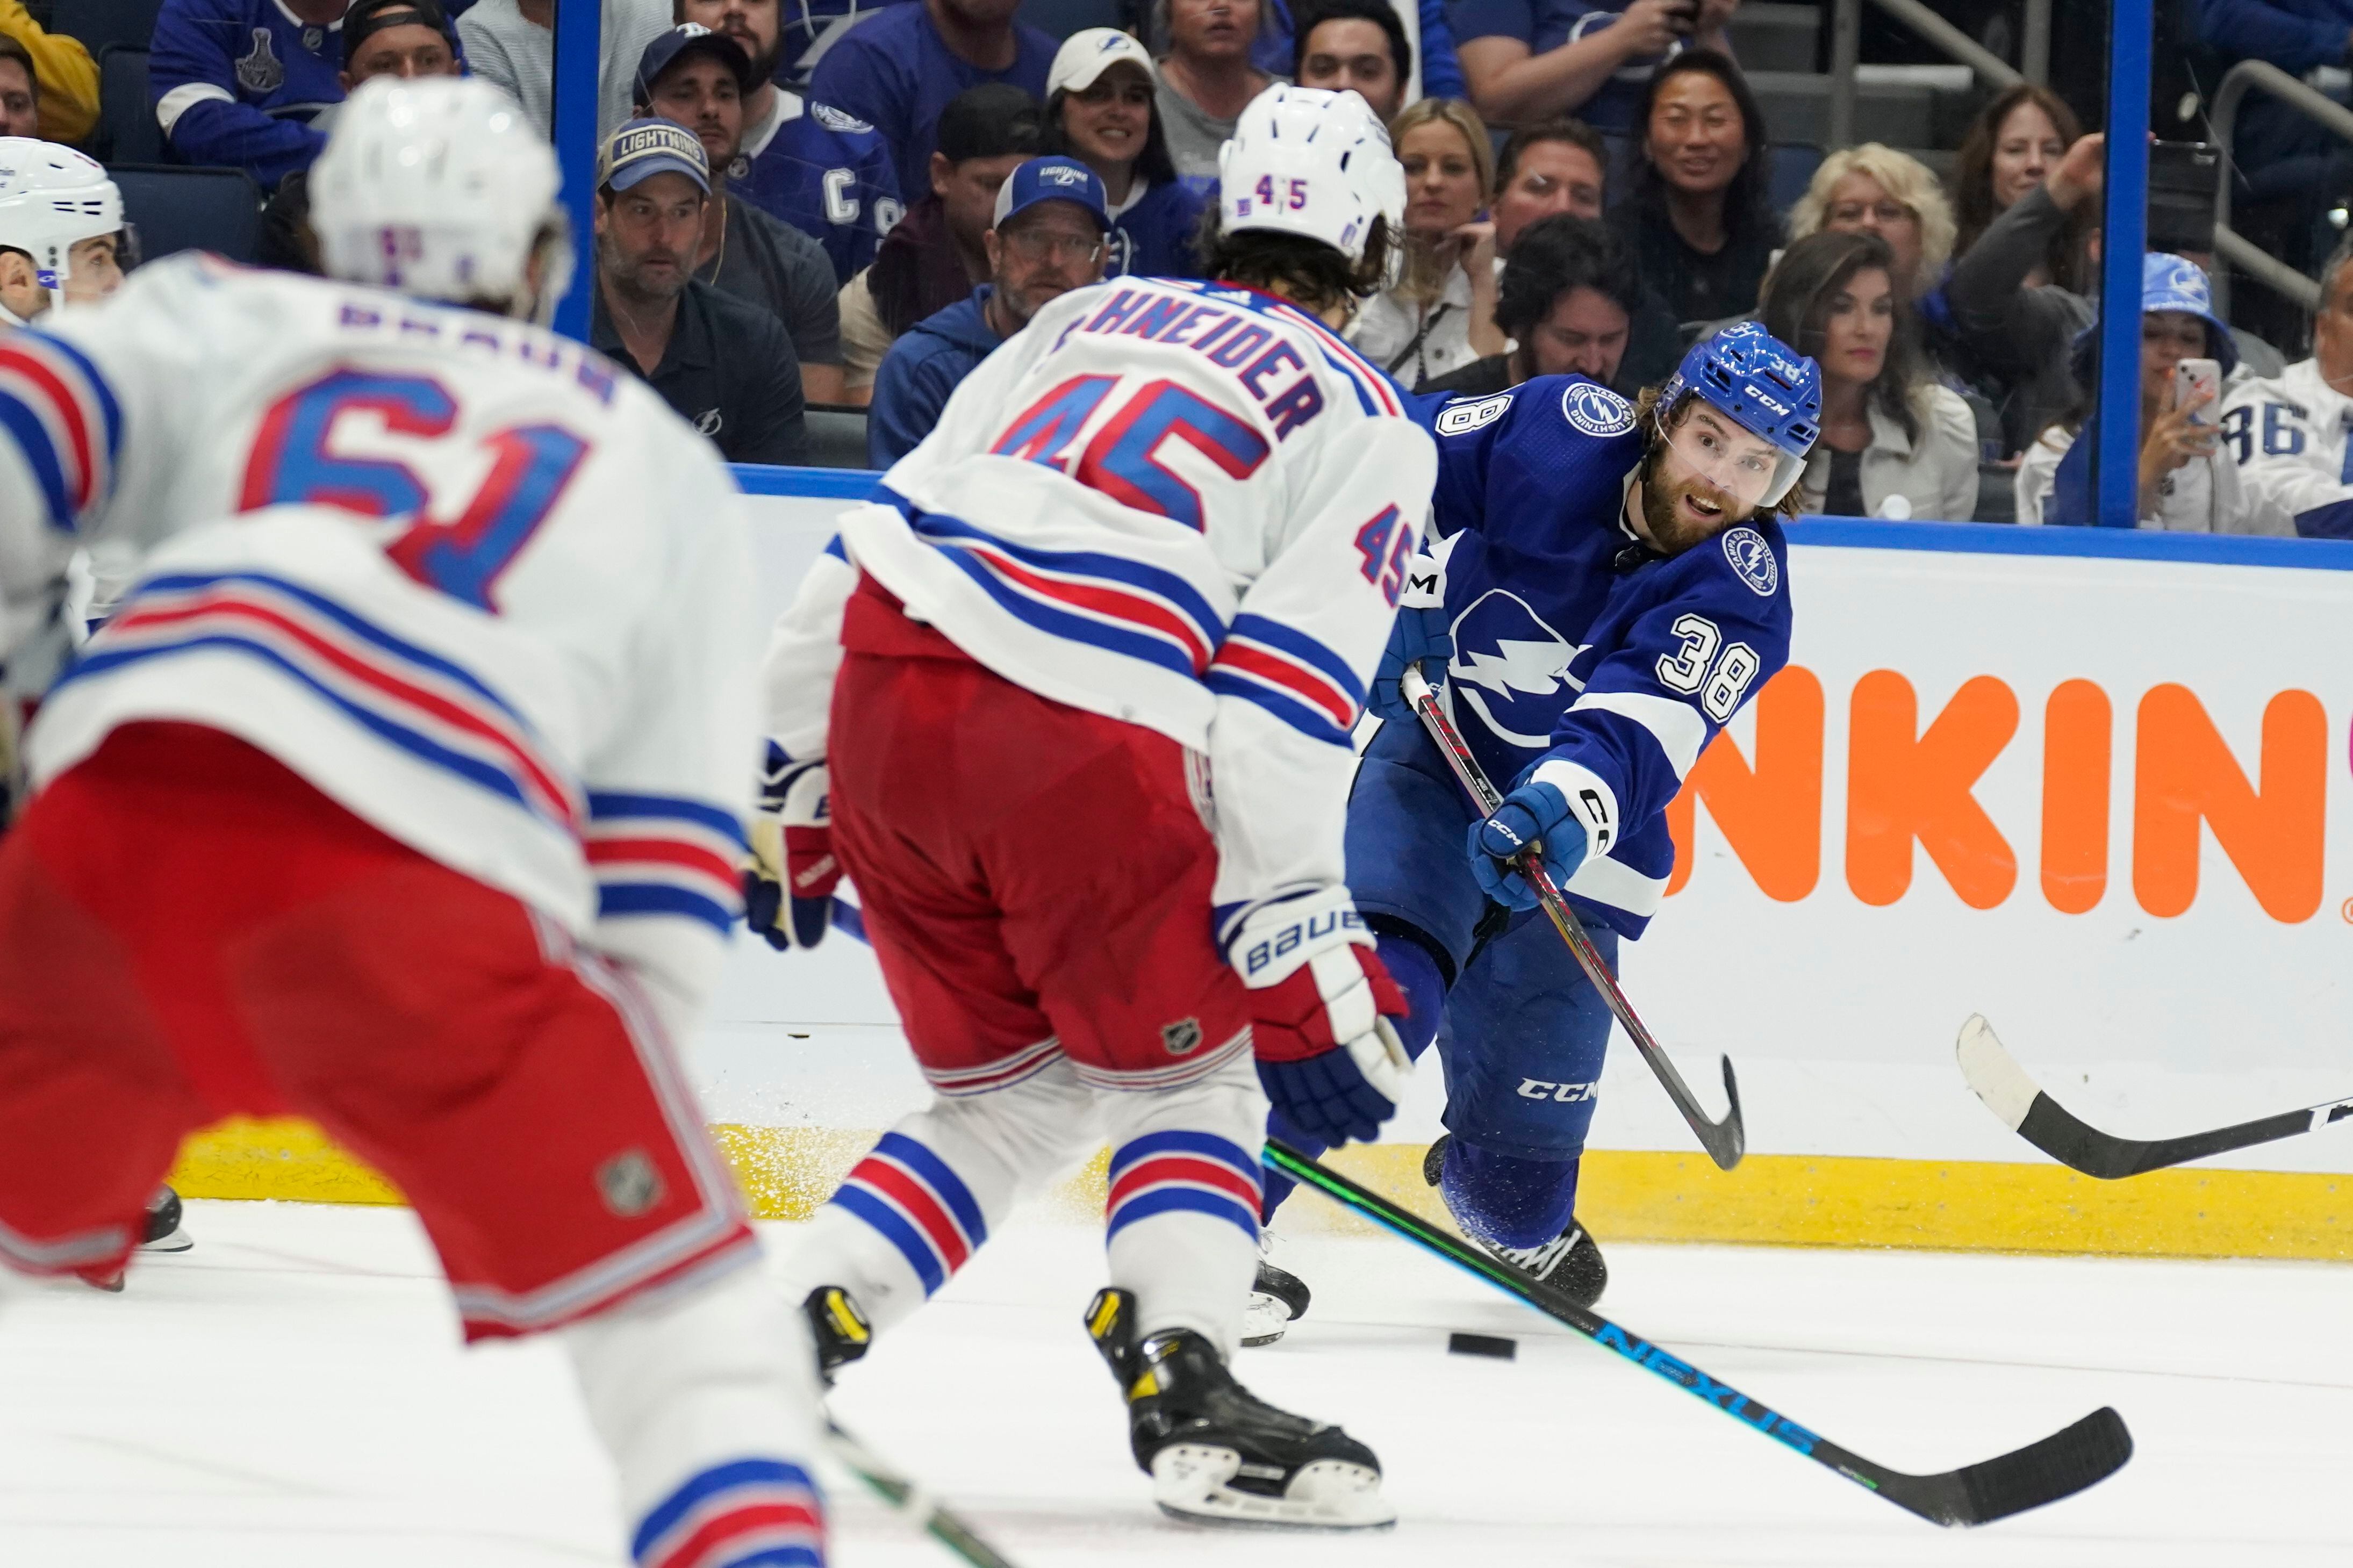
(1534, 813)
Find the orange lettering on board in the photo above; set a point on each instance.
(1899, 789)
(2075, 727)
(1771, 816)
(2183, 773)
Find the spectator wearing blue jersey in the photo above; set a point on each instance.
(1355, 46)
(380, 38)
(1282, 46)
(818, 168)
(700, 79)
(1206, 77)
(2304, 158)
(899, 68)
(238, 82)
(1048, 239)
(1101, 111)
(934, 256)
(1532, 60)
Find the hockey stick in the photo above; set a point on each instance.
(2059, 1466)
(1724, 1140)
(909, 1499)
(2043, 1121)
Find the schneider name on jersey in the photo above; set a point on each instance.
(1576, 645)
(1184, 506)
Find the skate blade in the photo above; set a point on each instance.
(1189, 1482)
(1265, 1320)
(178, 1241)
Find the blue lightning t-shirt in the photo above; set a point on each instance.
(1577, 648)
(825, 173)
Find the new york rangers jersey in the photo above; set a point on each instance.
(827, 173)
(2291, 439)
(466, 578)
(1184, 506)
(1576, 645)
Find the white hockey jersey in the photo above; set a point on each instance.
(464, 576)
(1182, 505)
(2292, 436)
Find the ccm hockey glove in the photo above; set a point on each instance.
(1533, 815)
(789, 886)
(1319, 1009)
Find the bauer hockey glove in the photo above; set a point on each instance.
(789, 886)
(1320, 1008)
(1420, 635)
(1533, 814)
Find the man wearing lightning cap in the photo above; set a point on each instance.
(1605, 590)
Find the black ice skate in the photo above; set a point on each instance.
(1215, 1453)
(1570, 1262)
(842, 1332)
(162, 1231)
(1278, 1297)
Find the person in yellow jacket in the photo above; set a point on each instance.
(65, 78)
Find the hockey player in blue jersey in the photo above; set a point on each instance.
(1603, 591)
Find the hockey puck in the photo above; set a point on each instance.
(1482, 1344)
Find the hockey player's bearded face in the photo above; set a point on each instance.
(1703, 475)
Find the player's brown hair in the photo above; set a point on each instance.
(1308, 272)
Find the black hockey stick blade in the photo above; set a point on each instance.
(2024, 1107)
(1726, 1141)
(2058, 1466)
(936, 1520)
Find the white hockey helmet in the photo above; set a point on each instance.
(1306, 162)
(440, 187)
(51, 199)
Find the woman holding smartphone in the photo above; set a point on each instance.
(2187, 484)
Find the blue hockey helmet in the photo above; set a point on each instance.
(1768, 388)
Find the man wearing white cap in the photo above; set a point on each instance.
(1102, 109)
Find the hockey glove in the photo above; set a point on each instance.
(789, 886)
(1420, 636)
(1320, 1008)
(1533, 814)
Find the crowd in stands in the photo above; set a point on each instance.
(845, 205)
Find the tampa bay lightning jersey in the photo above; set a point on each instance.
(825, 173)
(1576, 647)
(1154, 238)
(239, 82)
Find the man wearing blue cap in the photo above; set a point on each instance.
(723, 364)
(701, 79)
(1047, 239)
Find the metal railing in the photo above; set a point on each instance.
(1846, 45)
(2249, 76)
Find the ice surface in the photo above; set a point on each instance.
(292, 1393)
